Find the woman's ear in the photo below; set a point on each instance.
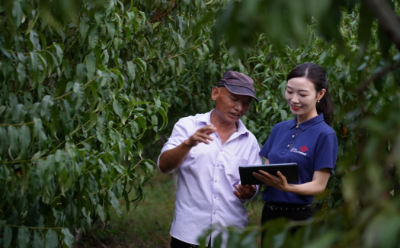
(321, 94)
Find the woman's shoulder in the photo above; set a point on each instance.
(324, 129)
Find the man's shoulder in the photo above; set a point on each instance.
(191, 121)
(248, 133)
(193, 118)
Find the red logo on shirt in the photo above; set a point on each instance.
(304, 148)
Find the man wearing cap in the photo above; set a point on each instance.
(207, 150)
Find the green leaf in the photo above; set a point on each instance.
(93, 39)
(139, 148)
(110, 28)
(17, 13)
(68, 237)
(19, 112)
(45, 105)
(84, 27)
(38, 240)
(24, 139)
(122, 148)
(80, 94)
(100, 211)
(131, 71)
(44, 68)
(164, 117)
(114, 202)
(119, 110)
(59, 52)
(7, 236)
(90, 65)
(23, 237)
(13, 138)
(34, 39)
(142, 65)
(51, 239)
(34, 61)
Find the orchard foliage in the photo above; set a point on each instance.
(76, 100)
(87, 86)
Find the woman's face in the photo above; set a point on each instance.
(302, 98)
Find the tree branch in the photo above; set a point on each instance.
(164, 13)
(376, 76)
(387, 19)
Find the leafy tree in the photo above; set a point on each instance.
(74, 104)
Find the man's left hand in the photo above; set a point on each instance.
(245, 192)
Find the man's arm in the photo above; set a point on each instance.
(173, 158)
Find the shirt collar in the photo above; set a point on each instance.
(206, 118)
(311, 122)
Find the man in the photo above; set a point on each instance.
(207, 150)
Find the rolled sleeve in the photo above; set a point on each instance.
(179, 135)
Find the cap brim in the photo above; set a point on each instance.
(237, 90)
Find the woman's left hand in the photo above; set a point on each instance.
(279, 182)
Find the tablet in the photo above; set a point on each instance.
(289, 170)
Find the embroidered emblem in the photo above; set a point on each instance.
(304, 148)
(299, 152)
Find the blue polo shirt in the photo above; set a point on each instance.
(312, 145)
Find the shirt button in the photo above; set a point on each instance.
(292, 136)
(288, 145)
(215, 180)
(214, 213)
(215, 197)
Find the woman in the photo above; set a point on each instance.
(307, 140)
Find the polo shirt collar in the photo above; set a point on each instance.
(311, 122)
(207, 119)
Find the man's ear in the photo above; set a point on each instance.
(215, 93)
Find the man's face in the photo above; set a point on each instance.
(230, 107)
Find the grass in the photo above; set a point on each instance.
(148, 225)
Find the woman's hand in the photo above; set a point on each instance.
(315, 187)
(279, 182)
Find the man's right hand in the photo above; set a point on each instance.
(201, 135)
(173, 158)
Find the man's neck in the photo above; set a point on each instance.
(224, 129)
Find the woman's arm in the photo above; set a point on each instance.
(315, 187)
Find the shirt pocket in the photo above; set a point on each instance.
(232, 169)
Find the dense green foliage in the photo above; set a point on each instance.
(74, 108)
(86, 87)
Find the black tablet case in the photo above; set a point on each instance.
(289, 170)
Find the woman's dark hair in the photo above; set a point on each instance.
(317, 76)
